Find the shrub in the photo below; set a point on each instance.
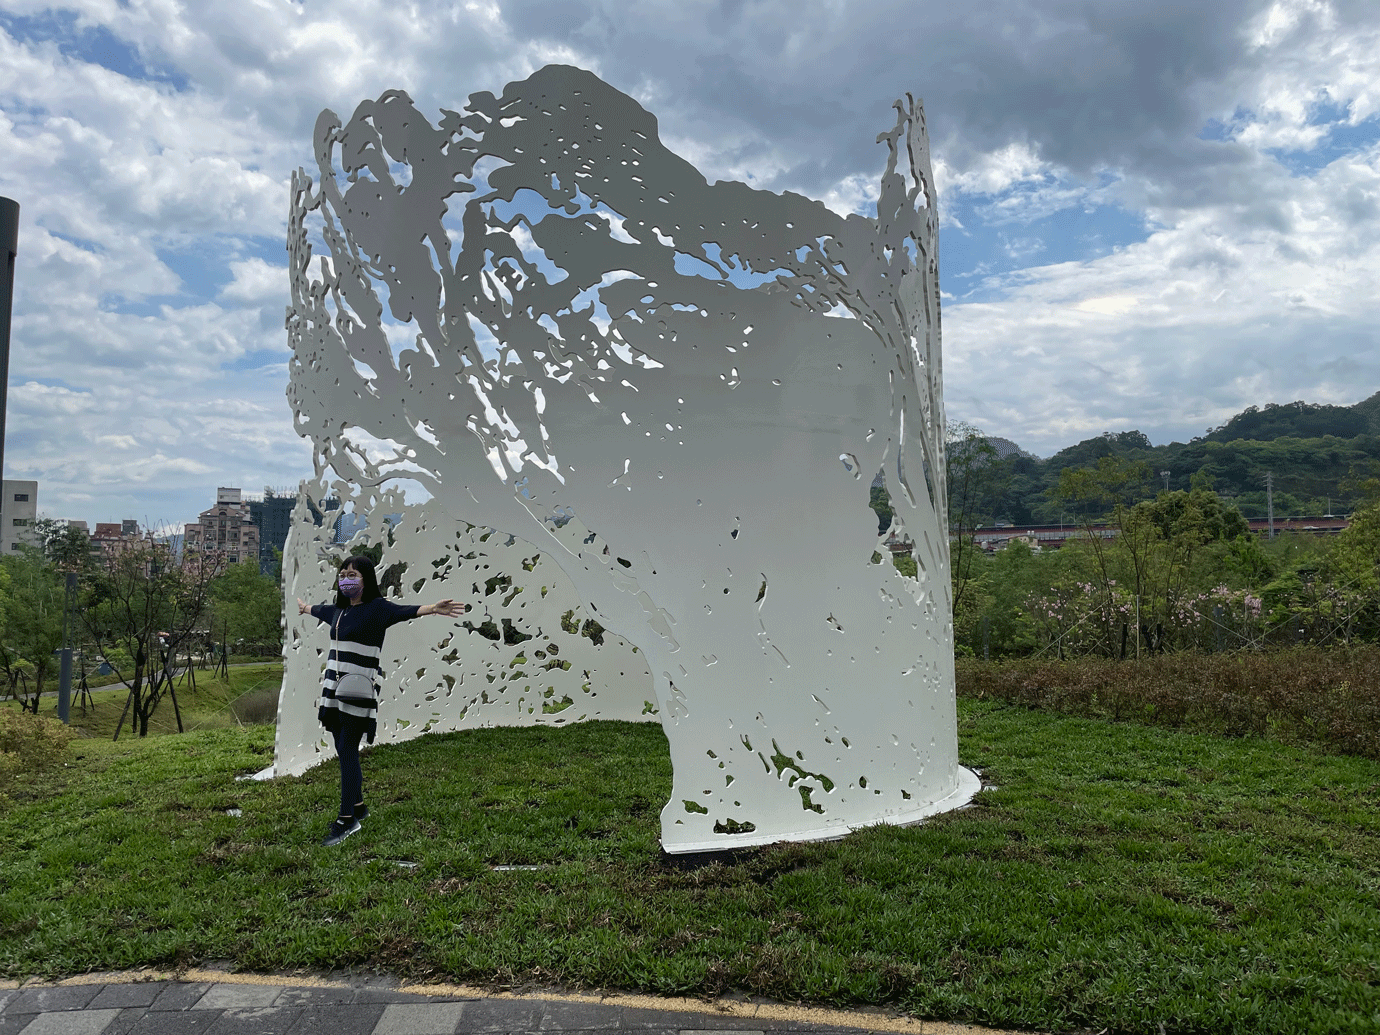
(257, 707)
(29, 743)
(1324, 696)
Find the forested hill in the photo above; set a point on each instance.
(1316, 452)
(1301, 420)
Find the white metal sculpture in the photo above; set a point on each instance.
(675, 392)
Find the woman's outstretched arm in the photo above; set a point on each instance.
(446, 608)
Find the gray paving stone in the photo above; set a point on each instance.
(124, 1023)
(264, 1020)
(14, 1023)
(501, 1015)
(48, 998)
(121, 996)
(180, 995)
(238, 997)
(351, 1019)
(558, 1016)
(724, 1031)
(175, 1022)
(419, 1019)
(71, 1022)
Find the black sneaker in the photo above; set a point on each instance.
(361, 811)
(340, 830)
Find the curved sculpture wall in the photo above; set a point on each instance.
(533, 317)
(528, 653)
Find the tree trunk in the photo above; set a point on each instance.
(25, 704)
(136, 694)
(123, 713)
(176, 711)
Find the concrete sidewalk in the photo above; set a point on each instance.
(215, 1003)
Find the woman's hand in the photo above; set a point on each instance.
(302, 606)
(447, 608)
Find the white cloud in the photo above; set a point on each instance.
(857, 193)
(1108, 305)
(256, 282)
(148, 337)
(1181, 331)
(1309, 56)
(994, 172)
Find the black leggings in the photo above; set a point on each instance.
(347, 738)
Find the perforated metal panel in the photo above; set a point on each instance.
(539, 320)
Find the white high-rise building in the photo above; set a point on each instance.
(18, 512)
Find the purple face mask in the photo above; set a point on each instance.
(350, 585)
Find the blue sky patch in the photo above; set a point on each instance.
(1341, 140)
(968, 256)
(94, 44)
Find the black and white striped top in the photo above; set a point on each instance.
(356, 643)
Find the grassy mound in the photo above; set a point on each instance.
(1116, 876)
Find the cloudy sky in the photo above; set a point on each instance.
(1156, 214)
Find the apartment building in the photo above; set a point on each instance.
(225, 529)
(18, 512)
(112, 538)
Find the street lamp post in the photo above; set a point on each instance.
(9, 244)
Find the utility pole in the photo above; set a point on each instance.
(9, 246)
(1270, 500)
(1165, 476)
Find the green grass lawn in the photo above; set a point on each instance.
(212, 705)
(1116, 877)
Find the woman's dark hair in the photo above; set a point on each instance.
(365, 567)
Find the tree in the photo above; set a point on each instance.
(1097, 494)
(1007, 584)
(880, 501)
(142, 603)
(31, 624)
(974, 475)
(1162, 538)
(65, 546)
(1352, 568)
(248, 604)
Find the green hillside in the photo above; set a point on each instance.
(1319, 455)
(1301, 420)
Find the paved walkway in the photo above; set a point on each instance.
(215, 1003)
